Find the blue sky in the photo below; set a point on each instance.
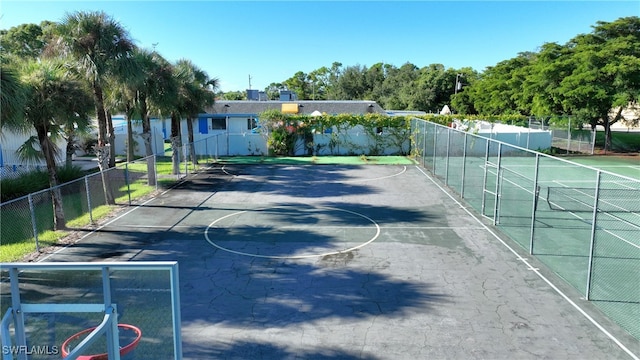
(271, 40)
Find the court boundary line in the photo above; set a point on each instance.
(293, 257)
(534, 269)
(482, 225)
(404, 169)
(155, 197)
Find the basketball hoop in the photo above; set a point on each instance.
(123, 350)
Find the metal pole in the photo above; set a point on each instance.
(446, 162)
(155, 169)
(464, 165)
(484, 179)
(175, 302)
(34, 225)
(113, 340)
(186, 162)
(593, 234)
(126, 180)
(424, 141)
(536, 193)
(435, 144)
(18, 315)
(496, 212)
(86, 185)
(568, 135)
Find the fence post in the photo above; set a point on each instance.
(186, 163)
(593, 234)
(33, 222)
(464, 164)
(424, 141)
(435, 147)
(126, 180)
(86, 186)
(536, 196)
(446, 163)
(569, 135)
(155, 169)
(496, 208)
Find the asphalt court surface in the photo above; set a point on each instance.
(348, 262)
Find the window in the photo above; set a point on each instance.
(218, 124)
(252, 123)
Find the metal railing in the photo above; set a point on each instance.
(149, 291)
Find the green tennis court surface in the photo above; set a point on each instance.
(348, 262)
(623, 165)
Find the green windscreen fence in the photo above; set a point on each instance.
(581, 222)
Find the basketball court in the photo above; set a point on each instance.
(344, 262)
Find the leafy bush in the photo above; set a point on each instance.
(35, 181)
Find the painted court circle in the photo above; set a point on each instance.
(217, 245)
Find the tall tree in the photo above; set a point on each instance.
(12, 96)
(196, 91)
(499, 88)
(54, 99)
(156, 93)
(300, 84)
(25, 41)
(101, 47)
(606, 76)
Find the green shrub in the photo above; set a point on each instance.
(34, 181)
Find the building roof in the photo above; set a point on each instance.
(305, 107)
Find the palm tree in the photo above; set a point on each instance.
(12, 96)
(73, 127)
(102, 47)
(54, 99)
(121, 97)
(155, 92)
(197, 91)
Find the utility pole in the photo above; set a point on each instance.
(458, 83)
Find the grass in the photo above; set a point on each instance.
(620, 141)
(18, 239)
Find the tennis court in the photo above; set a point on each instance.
(349, 262)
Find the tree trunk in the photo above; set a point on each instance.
(146, 137)
(59, 221)
(176, 143)
(70, 150)
(192, 148)
(102, 148)
(100, 114)
(103, 163)
(112, 141)
(130, 143)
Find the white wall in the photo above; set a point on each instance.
(11, 141)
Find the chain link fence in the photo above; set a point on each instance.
(567, 133)
(28, 222)
(583, 223)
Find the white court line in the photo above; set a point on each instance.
(108, 223)
(305, 256)
(536, 271)
(404, 169)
